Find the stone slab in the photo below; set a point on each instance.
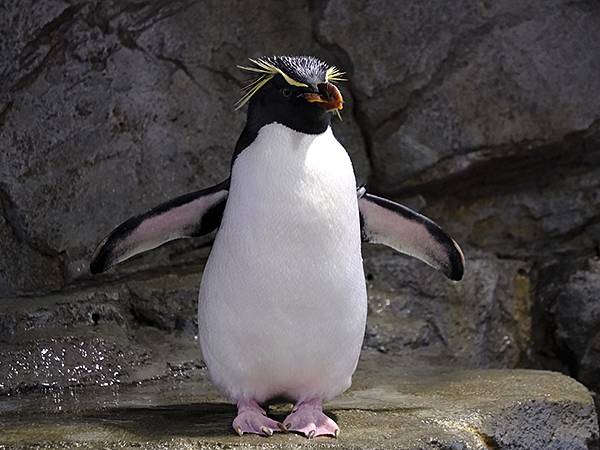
(395, 403)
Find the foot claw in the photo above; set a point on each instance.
(308, 419)
(252, 418)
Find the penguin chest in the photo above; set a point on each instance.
(283, 294)
(292, 216)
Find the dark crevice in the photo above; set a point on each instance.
(580, 230)
(140, 316)
(593, 443)
(128, 32)
(567, 357)
(143, 320)
(128, 40)
(160, 11)
(4, 112)
(30, 77)
(44, 35)
(223, 73)
(510, 167)
(508, 257)
(130, 8)
(50, 35)
(438, 332)
(448, 64)
(138, 16)
(116, 279)
(547, 350)
(181, 66)
(9, 212)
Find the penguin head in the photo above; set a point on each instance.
(295, 91)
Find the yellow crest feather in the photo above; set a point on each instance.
(334, 74)
(267, 71)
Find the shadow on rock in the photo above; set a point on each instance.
(186, 420)
(189, 420)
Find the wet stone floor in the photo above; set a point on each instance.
(393, 404)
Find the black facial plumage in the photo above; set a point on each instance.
(279, 93)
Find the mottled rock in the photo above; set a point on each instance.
(483, 321)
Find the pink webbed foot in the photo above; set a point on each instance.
(251, 418)
(308, 419)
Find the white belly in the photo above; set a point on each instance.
(282, 305)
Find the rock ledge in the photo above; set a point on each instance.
(394, 404)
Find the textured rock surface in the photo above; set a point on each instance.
(392, 405)
(482, 321)
(484, 115)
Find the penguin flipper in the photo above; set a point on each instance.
(406, 231)
(189, 215)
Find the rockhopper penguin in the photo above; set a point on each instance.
(283, 304)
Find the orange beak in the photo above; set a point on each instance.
(328, 98)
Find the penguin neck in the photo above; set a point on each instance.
(252, 129)
(286, 154)
(290, 138)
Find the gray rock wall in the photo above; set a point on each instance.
(485, 115)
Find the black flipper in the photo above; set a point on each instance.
(389, 223)
(190, 215)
